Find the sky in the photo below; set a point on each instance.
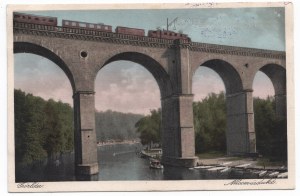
(137, 89)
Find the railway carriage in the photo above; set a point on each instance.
(85, 25)
(35, 19)
(168, 35)
(130, 31)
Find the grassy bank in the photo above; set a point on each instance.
(211, 155)
(268, 163)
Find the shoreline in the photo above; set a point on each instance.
(253, 164)
(109, 143)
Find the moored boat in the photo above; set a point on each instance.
(155, 164)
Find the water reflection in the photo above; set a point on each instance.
(48, 170)
(116, 162)
(87, 177)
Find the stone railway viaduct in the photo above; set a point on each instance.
(82, 53)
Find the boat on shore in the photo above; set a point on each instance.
(216, 168)
(225, 163)
(262, 173)
(204, 167)
(244, 165)
(242, 170)
(273, 174)
(283, 175)
(226, 169)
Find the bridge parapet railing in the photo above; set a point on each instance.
(234, 50)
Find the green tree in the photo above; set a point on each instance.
(264, 116)
(210, 123)
(271, 131)
(58, 132)
(149, 127)
(19, 109)
(66, 116)
(42, 128)
(34, 122)
(116, 125)
(53, 130)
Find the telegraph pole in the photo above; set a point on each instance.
(167, 24)
(171, 23)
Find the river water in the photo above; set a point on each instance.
(116, 162)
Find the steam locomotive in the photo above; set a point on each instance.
(52, 21)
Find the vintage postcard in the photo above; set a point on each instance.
(150, 97)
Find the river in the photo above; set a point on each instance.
(116, 162)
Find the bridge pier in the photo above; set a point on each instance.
(280, 104)
(240, 131)
(178, 137)
(86, 162)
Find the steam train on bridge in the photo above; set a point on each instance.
(52, 21)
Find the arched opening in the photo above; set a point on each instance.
(209, 108)
(41, 77)
(128, 89)
(262, 86)
(269, 101)
(213, 81)
(25, 47)
(44, 133)
(277, 75)
(161, 76)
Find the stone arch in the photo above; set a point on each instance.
(277, 75)
(26, 47)
(161, 76)
(240, 136)
(229, 75)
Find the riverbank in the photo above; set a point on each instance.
(219, 159)
(255, 167)
(232, 161)
(114, 142)
(151, 153)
